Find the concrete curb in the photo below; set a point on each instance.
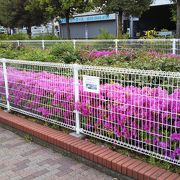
(96, 156)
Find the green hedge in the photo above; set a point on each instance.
(65, 53)
(22, 36)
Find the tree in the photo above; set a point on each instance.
(70, 7)
(178, 20)
(128, 7)
(50, 9)
(64, 9)
(21, 13)
(7, 12)
(177, 17)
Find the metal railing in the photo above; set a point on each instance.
(135, 109)
(161, 45)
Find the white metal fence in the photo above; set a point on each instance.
(135, 109)
(160, 45)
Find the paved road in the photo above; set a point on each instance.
(22, 160)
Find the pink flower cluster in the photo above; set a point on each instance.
(43, 93)
(97, 54)
(158, 55)
(132, 114)
(141, 116)
(129, 53)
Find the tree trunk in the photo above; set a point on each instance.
(120, 25)
(178, 20)
(52, 27)
(29, 32)
(68, 26)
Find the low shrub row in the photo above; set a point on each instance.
(65, 53)
(23, 36)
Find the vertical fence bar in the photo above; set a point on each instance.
(74, 44)
(43, 45)
(76, 68)
(6, 85)
(116, 46)
(174, 46)
(18, 43)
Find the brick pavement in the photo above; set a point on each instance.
(22, 160)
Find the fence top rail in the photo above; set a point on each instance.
(37, 63)
(96, 68)
(9, 41)
(133, 71)
(92, 40)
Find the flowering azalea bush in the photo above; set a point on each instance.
(96, 54)
(143, 116)
(155, 54)
(137, 59)
(44, 93)
(146, 117)
(130, 54)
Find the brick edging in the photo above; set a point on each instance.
(103, 156)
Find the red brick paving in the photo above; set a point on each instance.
(117, 162)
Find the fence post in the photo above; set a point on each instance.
(43, 45)
(174, 46)
(76, 95)
(116, 46)
(6, 84)
(74, 44)
(18, 43)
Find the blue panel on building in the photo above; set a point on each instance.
(101, 17)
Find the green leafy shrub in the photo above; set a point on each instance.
(23, 36)
(37, 55)
(65, 52)
(46, 37)
(9, 52)
(19, 36)
(138, 59)
(123, 36)
(150, 34)
(3, 37)
(104, 34)
(4, 45)
(59, 49)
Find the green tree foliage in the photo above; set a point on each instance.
(7, 12)
(173, 13)
(128, 7)
(177, 17)
(21, 13)
(65, 9)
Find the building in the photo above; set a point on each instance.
(158, 17)
(88, 25)
(37, 30)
